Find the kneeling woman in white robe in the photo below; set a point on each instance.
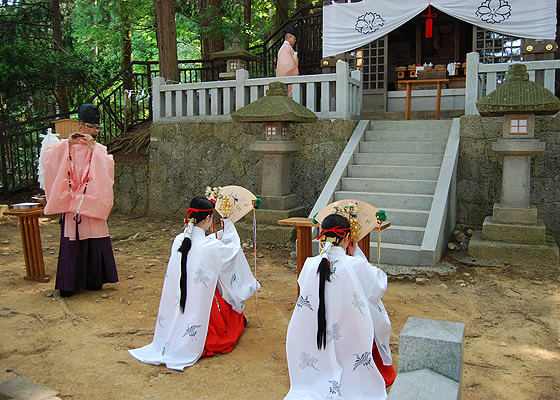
(333, 326)
(207, 282)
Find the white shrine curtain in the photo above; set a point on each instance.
(347, 26)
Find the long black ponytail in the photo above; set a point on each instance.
(199, 208)
(324, 270)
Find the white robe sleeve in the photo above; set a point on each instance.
(235, 280)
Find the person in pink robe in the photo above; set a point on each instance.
(79, 176)
(288, 63)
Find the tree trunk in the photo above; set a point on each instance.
(61, 90)
(282, 12)
(167, 39)
(210, 41)
(210, 10)
(126, 39)
(247, 22)
(126, 59)
(302, 4)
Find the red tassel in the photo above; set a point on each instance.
(429, 17)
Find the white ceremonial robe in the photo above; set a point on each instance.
(179, 338)
(345, 368)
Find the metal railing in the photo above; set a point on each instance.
(20, 143)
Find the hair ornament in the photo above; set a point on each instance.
(337, 230)
(350, 211)
(325, 248)
(190, 210)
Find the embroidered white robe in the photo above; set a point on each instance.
(179, 337)
(345, 368)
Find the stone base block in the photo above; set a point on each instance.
(524, 255)
(267, 234)
(432, 344)
(512, 215)
(271, 217)
(424, 384)
(514, 233)
(21, 388)
(279, 202)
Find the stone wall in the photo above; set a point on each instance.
(187, 157)
(130, 189)
(479, 174)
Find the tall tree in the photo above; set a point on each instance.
(211, 38)
(247, 22)
(61, 90)
(167, 39)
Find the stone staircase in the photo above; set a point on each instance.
(396, 168)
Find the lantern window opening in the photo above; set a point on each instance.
(270, 130)
(519, 126)
(284, 131)
(233, 65)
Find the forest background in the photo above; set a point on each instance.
(55, 53)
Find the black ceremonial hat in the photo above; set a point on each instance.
(290, 29)
(89, 114)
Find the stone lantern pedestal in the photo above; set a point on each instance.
(514, 234)
(276, 112)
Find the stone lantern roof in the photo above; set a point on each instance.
(235, 51)
(276, 106)
(518, 95)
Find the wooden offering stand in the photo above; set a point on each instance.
(304, 240)
(411, 83)
(31, 240)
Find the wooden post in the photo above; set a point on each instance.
(438, 100)
(408, 100)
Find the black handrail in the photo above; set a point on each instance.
(19, 170)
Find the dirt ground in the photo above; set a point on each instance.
(78, 345)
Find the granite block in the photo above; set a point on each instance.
(433, 344)
(21, 388)
(424, 384)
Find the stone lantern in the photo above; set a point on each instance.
(236, 58)
(514, 234)
(277, 113)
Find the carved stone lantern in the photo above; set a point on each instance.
(514, 234)
(276, 112)
(236, 58)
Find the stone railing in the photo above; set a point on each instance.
(337, 95)
(483, 79)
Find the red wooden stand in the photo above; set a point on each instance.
(31, 240)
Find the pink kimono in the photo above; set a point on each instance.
(287, 64)
(94, 177)
(79, 184)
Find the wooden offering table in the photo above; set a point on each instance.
(304, 240)
(412, 82)
(31, 240)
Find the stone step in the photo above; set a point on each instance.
(389, 200)
(403, 147)
(389, 185)
(400, 234)
(412, 160)
(410, 125)
(401, 217)
(435, 135)
(393, 172)
(394, 253)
